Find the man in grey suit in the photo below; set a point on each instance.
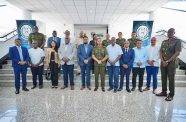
(66, 55)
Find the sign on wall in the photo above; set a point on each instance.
(24, 28)
(143, 31)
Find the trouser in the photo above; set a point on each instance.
(68, 72)
(85, 71)
(99, 70)
(152, 71)
(54, 73)
(37, 71)
(140, 72)
(113, 72)
(17, 71)
(125, 72)
(168, 71)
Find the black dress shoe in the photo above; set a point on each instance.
(110, 89)
(64, 87)
(41, 86)
(25, 89)
(17, 92)
(133, 89)
(115, 90)
(162, 94)
(120, 89)
(103, 89)
(33, 87)
(128, 90)
(95, 89)
(140, 89)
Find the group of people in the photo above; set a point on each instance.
(119, 56)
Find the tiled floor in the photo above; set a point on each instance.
(55, 105)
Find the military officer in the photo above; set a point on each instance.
(38, 37)
(133, 40)
(120, 40)
(106, 42)
(169, 51)
(99, 56)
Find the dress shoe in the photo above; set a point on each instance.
(110, 89)
(64, 87)
(56, 87)
(115, 90)
(133, 89)
(33, 87)
(162, 94)
(89, 88)
(103, 89)
(82, 88)
(128, 90)
(41, 86)
(140, 89)
(95, 89)
(146, 89)
(53, 86)
(120, 89)
(72, 88)
(17, 92)
(25, 89)
(169, 98)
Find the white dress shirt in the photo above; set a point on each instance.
(153, 53)
(113, 53)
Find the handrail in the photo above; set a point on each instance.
(8, 33)
(8, 36)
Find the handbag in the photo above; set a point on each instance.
(48, 74)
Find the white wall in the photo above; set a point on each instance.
(126, 26)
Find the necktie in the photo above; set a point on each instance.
(20, 53)
(125, 50)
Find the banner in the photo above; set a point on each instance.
(143, 31)
(24, 28)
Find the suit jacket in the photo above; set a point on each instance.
(14, 56)
(82, 55)
(127, 58)
(50, 39)
(66, 51)
(92, 42)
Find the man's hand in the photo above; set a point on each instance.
(86, 61)
(125, 66)
(22, 62)
(164, 63)
(139, 63)
(99, 62)
(150, 62)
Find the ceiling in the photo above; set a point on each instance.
(88, 11)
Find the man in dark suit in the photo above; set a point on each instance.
(85, 61)
(53, 38)
(20, 57)
(126, 62)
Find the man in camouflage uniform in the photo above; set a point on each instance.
(99, 56)
(106, 42)
(169, 51)
(120, 40)
(38, 37)
(133, 40)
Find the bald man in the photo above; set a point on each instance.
(152, 64)
(20, 57)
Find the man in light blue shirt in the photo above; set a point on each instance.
(53, 38)
(114, 54)
(139, 65)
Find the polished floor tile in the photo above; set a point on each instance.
(56, 105)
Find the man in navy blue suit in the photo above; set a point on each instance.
(85, 61)
(53, 38)
(126, 62)
(20, 57)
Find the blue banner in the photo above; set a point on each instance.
(24, 28)
(143, 31)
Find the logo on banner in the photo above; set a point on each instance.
(25, 31)
(142, 32)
